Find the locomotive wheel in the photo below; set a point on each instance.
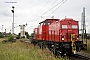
(34, 44)
(68, 51)
(44, 45)
(57, 54)
(40, 45)
(54, 51)
(62, 51)
(78, 48)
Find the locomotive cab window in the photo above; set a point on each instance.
(74, 26)
(64, 26)
(46, 22)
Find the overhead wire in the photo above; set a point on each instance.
(58, 7)
(87, 9)
(52, 7)
(49, 9)
(42, 8)
(54, 2)
(44, 5)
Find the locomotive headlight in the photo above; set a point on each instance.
(77, 38)
(62, 38)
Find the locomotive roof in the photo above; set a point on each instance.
(68, 19)
(49, 20)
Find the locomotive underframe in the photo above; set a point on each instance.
(58, 48)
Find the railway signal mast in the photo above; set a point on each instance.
(13, 20)
(22, 30)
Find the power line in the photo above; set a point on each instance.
(44, 5)
(42, 8)
(88, 10)
(54, 2)
(49, 9)
(53, 7)
(50, 6)
(58, 7)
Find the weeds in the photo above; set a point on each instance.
(24, 51)
(88, 46)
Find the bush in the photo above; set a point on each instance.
(11, 37)
(1, 36)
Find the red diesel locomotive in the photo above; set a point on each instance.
(59, 36)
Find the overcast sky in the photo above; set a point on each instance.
(34, 11)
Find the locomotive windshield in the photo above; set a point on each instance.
(64, 26)
(47, 22)
(69, 26)
(74, 26)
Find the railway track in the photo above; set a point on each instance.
(78, 56)
(25, 41)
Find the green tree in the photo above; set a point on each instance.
(32, 35)
(18, 36)
(27, 35)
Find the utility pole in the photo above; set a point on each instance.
(83, 25)
(13, 20)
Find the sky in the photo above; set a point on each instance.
(34, 11)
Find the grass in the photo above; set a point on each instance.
(24, 51)
(88, 46)
(88, 49)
